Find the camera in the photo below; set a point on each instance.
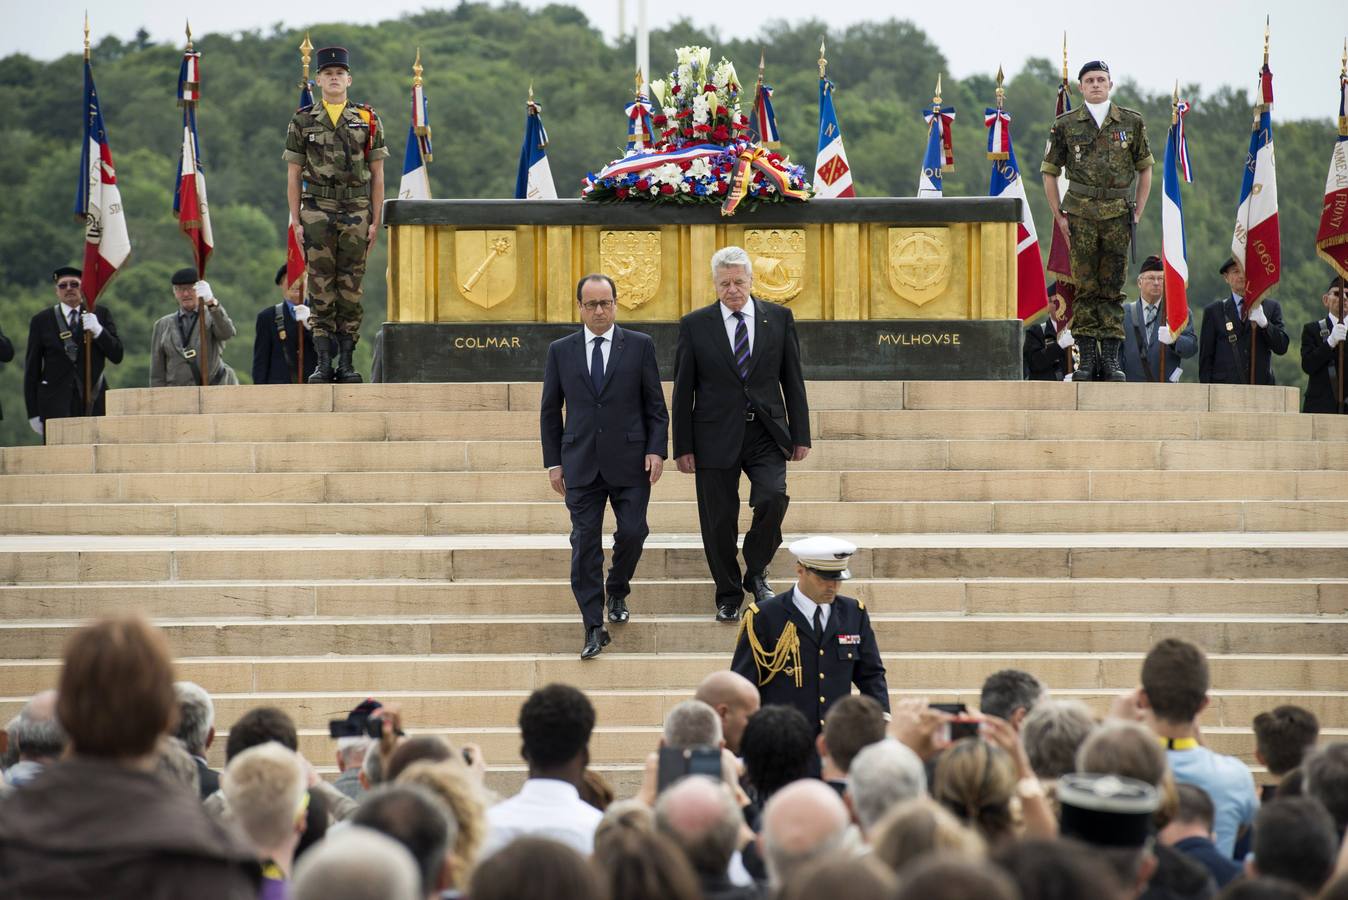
(676, 763)
(356, 726)
(963, 725)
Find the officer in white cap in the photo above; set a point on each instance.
(807, 646)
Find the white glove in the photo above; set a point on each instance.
(91, 323)
(1257, 317)
(301, 313)
(1337, 334)
(35, 423)
(204, 290)
(1164, 336)
(1068, 376)
(1065, 338)
(1175, 376)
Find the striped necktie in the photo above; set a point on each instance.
(741, 346)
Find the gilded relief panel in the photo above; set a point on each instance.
(919, 272)
(485, 275)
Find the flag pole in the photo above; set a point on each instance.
(1343, 77)
(1070, 364)
(190, 105)
(306, 47)
(1174, 120)
(1254, 329)
(89, 338)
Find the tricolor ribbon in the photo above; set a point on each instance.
(765, 121)
(639, 161)
(421, 120)
(944, 120)
(189, 78)
(1182, 156)
(998, 122)
(753, 159)
(640, 132)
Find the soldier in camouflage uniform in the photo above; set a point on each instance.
(1101, 145)
(335, 154)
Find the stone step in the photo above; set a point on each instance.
(848, 424)
(1230, 557)
(903, 517)
(510, 634)
(822, 395)
(963, 670)
(1156, 595)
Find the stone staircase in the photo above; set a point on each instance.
(308, 546)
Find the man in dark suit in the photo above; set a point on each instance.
(807, 646)
(739, 405)
(53, 369)
(280, 328)
(1320, 343)
(1146, 330)
(1046, 349)
(610, 449)
(1224, 349)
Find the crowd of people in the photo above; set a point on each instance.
(108, 793)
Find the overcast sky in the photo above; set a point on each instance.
(1154, 41)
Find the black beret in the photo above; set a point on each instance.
(332, 56)
(1228, 266)
(1335, 282)
(281, 275)
(1151, 264)
(1095, 65)
(184, 276)
(1052, 288)
(63, 271)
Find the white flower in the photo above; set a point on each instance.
(685, 187)
(670, 112)
(684, 55)
(655, 190)
(699, 168)
(701, 109)
(669, 172)
(702, 59)
(658, 91)
(685, 76)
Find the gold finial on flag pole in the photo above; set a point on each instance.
(86, 34)
(636, 89)
(1266, 22)
(823, 63)
(189, 35)
(1174, 104)
(417, 70)
(306, 48)
(762, 59)
(1064, 57)
(936, 101)
(1001, 91)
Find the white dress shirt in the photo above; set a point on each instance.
(544, 807)
(1098, 112)
(808, 606)
(731, 323)
(604, 348)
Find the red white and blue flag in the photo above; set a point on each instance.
(1255, 244)
(1331, 240)
(832, 174)
(1031, 294)
(294, 252)
(98, 201)
(763, 122)
(416, 180)
(640, 131)
(533, 180)
(1174, 248)
(189, 194)
(1059, 254)
(940, 154)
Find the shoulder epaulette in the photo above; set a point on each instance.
(753, 607)
(785, 655)
(1132, 112)
(371, 120)
(861, 605)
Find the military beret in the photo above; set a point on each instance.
(281, 275)
(1335, 282)
(1151, 264)
(63, 271)
(184, 276)
(1228, 266)
(827, 557)
(1052, 288)
(332, 56)
(1107, 810)
(1095, 65)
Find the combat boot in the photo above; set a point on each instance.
(322, 373)
(1089, 364)
(1110, 368)
(346, 373)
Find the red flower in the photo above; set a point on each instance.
(686, 165)
(683, 114)
(722, 111)
(642, 185)
(702, 129)
(709, 88)
(774, 157)
(720, 187)
(666, 189)
(659, 120)
(622, 193)
(733, 87)
(675, 89)
(720, 134)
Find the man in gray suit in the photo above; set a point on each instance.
(1145, 330)
(175, 344)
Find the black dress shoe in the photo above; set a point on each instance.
(596, 639)
(758, 586)
(727, 612)
(617, 609)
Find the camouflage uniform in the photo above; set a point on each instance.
(335, 208)
(1100, 162)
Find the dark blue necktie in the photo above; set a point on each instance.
(597, 365)
(742, 346)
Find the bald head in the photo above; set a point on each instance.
(356, 864)
(735, 699)
(701, 815)
(37, 732)
(802, 822)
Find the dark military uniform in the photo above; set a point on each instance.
(807, 673)
(1041, 357)
(335, 207)
(1101, 162)
(1321, 363)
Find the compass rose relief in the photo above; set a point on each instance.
(919, 263)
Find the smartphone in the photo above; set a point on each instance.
(676, 763)
(962, 726)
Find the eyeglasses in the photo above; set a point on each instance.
(593, 305)
(67, 285)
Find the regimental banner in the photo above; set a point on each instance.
(484, 266)
(778, 257)
(632, 260)
(919, 263)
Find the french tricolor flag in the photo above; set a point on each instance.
(416, 180)
(189, 195)
(832, 174)
(98, 200)
(534, 181)
(1174, 250)
(939, 156)
(1255, 243)
(1031, 292)
(1331, 240)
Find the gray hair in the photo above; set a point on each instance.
(372, 767)
(690, 724)
(1053, 733)
(352, 750)
(882, 776)
(37, 731)
(731, 256)
(196, 716)
(356, 863)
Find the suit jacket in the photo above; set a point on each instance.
(168, 366)
(1143, 368)
(1223, 361)
(276, 361)
(6, 354)
(53, 385)
(610, 432)
(847, 656)
(208, 778)
(710, 399)
(1321, 363)
(1041, 357)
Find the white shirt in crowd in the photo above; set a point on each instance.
(731, 323)
(547, 808)
(808, 606)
